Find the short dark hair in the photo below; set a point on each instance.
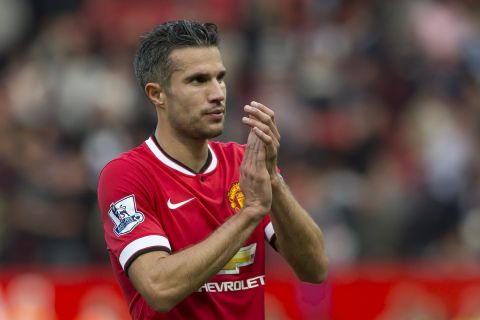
(152, 62)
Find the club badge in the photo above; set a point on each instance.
(236, 197)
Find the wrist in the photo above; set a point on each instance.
(254, 213)
(276, 180)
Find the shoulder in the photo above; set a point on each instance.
(128, 166)
(123, 176)
(130, 159)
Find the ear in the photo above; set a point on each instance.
(155, 94)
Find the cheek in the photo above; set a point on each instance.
(180, 103)
(183, 115)
(191, 101)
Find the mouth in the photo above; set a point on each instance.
(215, 114)
(215, 111)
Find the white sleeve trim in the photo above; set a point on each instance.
(142, 243)
(269, 231)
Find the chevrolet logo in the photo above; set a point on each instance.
(244, 257)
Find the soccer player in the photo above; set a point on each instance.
(185, 217)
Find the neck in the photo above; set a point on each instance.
(192, 153)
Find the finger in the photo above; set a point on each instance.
(263, 108)
(257, 113)
(271, 146)
(254, 123)
(264, 114)
(256, 142)
(260, 155)
(254, 156)
(269, 154)
(265, 138)
(249, 149)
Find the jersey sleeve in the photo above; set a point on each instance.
(128, 213)
(269, 232)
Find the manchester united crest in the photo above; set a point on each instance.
(236, 197)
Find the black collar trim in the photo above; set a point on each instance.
(202, 170)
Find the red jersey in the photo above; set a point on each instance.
(150, 202)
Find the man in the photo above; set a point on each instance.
(184, 217)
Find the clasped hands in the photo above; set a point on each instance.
(259, 165)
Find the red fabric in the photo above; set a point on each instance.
(141, 175)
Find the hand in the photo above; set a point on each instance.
(254, 177)
(262, 121)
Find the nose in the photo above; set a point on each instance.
(217, 91)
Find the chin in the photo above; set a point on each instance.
(214, 134)
(206, 134)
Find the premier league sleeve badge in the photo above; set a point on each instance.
(124, 215)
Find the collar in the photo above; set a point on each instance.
(161, 155)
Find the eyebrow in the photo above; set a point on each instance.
(221, 73)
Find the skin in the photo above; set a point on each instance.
(299, 239)
(191, 111)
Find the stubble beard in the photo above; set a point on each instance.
(195, 130)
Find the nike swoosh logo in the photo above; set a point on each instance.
(174, 206)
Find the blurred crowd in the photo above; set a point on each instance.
(377, 102)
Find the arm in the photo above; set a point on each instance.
(299, 239)
(164, 280)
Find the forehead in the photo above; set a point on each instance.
(197, 59)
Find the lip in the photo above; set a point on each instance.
(216, 111)
(215, 116)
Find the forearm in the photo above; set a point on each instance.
(299, 239)
(178, 275)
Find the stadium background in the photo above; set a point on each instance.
(378, 104)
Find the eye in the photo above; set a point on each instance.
(221, 77)
(199, 79)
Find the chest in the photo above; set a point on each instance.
(189, 208)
